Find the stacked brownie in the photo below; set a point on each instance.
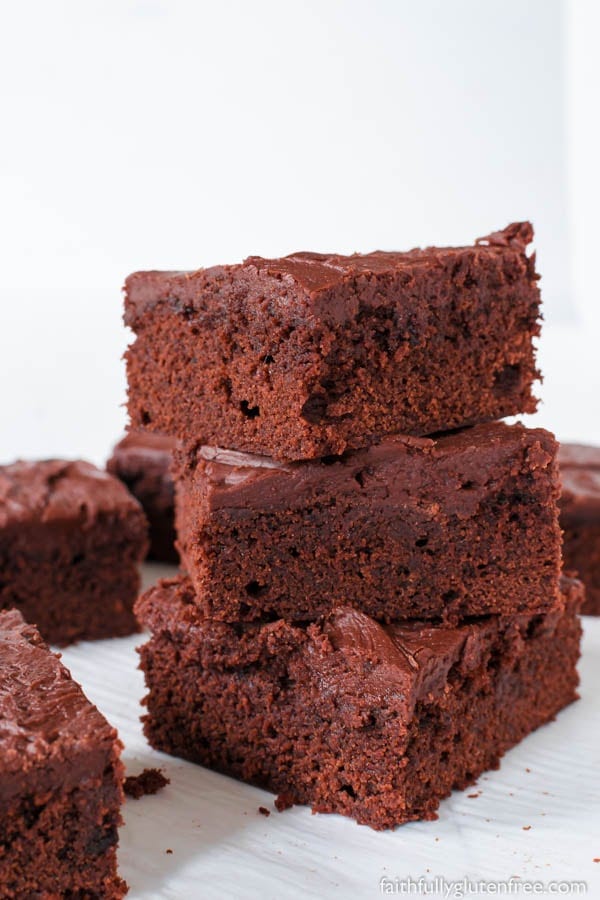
(372, 610)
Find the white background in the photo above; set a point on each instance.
(157, 134)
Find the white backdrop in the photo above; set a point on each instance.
(174, 134)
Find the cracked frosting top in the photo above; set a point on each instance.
(54, 489)
(305, 275)
(44, 714)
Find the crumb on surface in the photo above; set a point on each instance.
(283, 801)
(264, 811)
(526, 827)
(596, 859)
(150, 781)
(168, 850)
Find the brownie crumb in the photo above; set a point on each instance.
(284, 801)
(168, 850)
(596, 859)
(150, 781)
(264, 811)
(526, 827)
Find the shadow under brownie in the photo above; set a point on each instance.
(309, 355)
(349, 716)
(60, 777)
(71, 540)
(464, 524)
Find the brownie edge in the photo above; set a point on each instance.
(377, 722)
(580, 517)
(71, 540)
(313, 354)
(462, 524)
(142, 461)
(60, 777)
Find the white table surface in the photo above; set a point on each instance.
(537, 818)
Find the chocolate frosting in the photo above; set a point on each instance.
(307, 275)
(52, 490)
(321, 271)
(145, 444)
(517, 235)
(580, 477)
(579, 456)
(398, 470)
(399, 663)
(413, 660)
(44, 714)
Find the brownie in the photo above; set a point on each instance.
(60, 777)
(142, 461)
(309, 355)
(71, 539)
(378, 722)
(580, 517)
(463, 524)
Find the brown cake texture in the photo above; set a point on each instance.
(142, 461)
(580, 517)
(150, 781)
(377, 722)
(464, 524)
(60, 777)
(71, 539)
(311, 354)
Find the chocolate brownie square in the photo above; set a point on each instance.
(142, 461)
(71, 539)
(306, 356)
(377, 722)
(580, 517)
(463, 524)
(60, 777)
